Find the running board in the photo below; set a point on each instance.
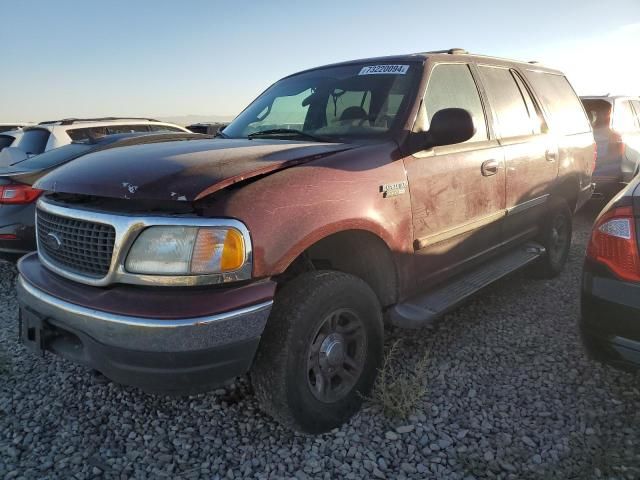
(422, 310)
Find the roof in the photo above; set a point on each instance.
(457, 53)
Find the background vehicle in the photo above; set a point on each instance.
(616, 128)
(611, 283)
(399, 184)
(18, 197)
(53, 134)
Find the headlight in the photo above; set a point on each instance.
(175, 250)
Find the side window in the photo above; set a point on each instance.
(535, 114)
(113, 129)
(452, 86)
(81, 134)
(167, 128)
(507, 102)
(565, 113)
(624, 119)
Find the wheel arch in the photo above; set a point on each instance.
(357, 251)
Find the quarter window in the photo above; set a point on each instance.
(452, 86)
(508, 102)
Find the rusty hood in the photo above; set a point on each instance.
(180, 170)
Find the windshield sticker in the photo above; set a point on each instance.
(384, 70)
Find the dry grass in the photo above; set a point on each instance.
(400, 386)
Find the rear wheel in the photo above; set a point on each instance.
(556, 235)
(320, 351)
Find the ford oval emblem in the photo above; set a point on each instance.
(53, 241)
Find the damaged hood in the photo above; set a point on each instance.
(180, 170)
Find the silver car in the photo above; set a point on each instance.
(616, 128)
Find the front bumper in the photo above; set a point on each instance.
(610, 320)
(172, 355)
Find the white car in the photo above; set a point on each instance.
(49, 135)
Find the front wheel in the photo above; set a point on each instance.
(555, 236)
(320, 351)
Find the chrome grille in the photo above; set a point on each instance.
(79, 246)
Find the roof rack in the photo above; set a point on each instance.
(71, 121)
(451, 51)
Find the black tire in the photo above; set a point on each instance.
(281, 377)
(555, 236)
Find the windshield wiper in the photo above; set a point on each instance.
(288, 131)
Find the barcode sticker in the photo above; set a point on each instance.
(384, 70)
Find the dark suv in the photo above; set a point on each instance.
(388, 188)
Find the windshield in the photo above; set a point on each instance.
(54, 157)
(336, 103)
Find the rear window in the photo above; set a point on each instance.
(6, 141)
(34, 141)
(566, 115)
(54, 157)
(598, 111)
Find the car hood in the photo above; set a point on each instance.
(181, 171)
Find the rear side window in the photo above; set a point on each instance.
(598, 111)
(113, 129)
(34, 141)
(624, 119)
(169, 128)
(452, 86)
(566, 115)
(80, 134)
(507, 101)
(5, 141)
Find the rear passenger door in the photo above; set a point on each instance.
(531, 155)
(457, 191)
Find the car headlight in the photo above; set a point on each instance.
(176, 250)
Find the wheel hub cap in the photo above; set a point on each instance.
(332, 351)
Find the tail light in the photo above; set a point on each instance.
(616, 145)
(614, 244)
(18, 194)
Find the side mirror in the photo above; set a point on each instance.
(448, 126)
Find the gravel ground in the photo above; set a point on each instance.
(510, 394)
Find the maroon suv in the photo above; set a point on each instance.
(387, 188)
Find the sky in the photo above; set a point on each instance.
(71, 58)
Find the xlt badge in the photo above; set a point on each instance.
(393, 189)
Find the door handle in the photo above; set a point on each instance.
(551, 155)
(490, 167)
